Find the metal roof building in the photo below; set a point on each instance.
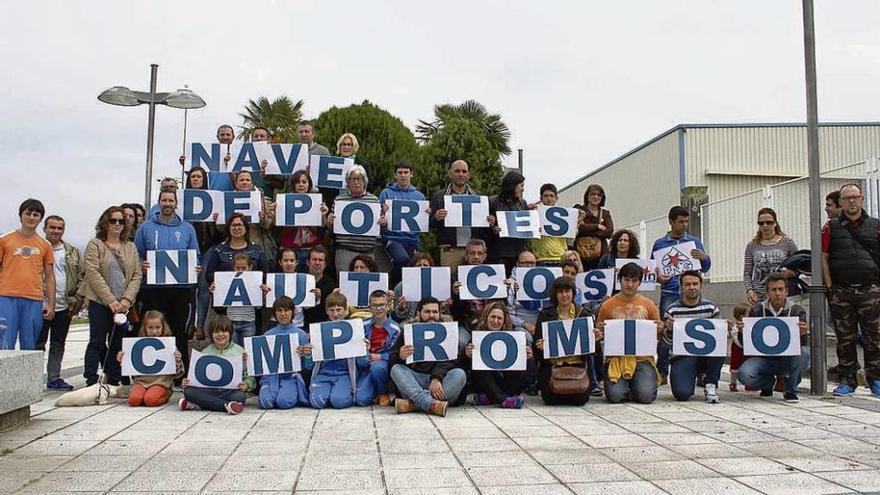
(717, 161)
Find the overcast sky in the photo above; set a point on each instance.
(577, 82)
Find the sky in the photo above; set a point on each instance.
(577, 82)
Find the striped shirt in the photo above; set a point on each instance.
(703, 309)
(357, 243)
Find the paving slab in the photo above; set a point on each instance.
(792, 484)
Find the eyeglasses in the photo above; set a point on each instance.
(379, 306)
(117, 221)
(850, 198)
(237, 226)
(766, 222)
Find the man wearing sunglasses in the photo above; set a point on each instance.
(851, 268)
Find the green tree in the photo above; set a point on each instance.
(462, 138)
(494, 129)
(279, 116)
(382, 137)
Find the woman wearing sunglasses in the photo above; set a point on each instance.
(764, 255)
(111, 282)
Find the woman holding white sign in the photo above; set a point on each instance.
(503, 388)
(348, 246)
(221, 258)
(230, 400)
(153, 390)
(260, 233)
(505, 250)
(764, 255)
(564, 379)
(302, 239)
(110, 285)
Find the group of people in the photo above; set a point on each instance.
(44, 282)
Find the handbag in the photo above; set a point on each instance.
(589, 248)
(569, 380)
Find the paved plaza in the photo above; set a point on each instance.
(743, 445)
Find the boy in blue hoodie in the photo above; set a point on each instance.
(333, 380)
(287, 390)
(400, 245)
(164, 230)
(382, 332)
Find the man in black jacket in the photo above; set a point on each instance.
(428, 386)
(452, 240)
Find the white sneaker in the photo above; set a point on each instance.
(711, 392)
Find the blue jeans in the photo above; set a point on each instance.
(242, 329)
(20, 319)
(642, 387)
(684, 373)
(663, 350)
(372, 383)
(761, 371)
(400, 255)
(414, 385)
(213, 399)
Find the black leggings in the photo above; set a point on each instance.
(499, 385)
(552, 399)
(174, 304)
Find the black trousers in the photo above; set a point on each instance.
(105, 341)
(174, 304)
(499, 385)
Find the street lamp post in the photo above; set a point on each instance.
(182, 98)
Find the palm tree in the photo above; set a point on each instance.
(496, 130)
(279, 116)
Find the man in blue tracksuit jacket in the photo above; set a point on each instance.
(670, 289)
(164, 230)
(287, 390)
(400, 245)
(382, 332)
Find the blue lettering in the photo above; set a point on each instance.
(510, 347)
(758, 336)
(694, 329)
(429, 336)
(596, 289)
(281, 350)
(518, 223)
(528, 285)
(629, 337)
(281, 287)
(557, 224)
(403, 210)
(247, 159)
(179, 270)
(327, 166)
(580, 333)
(466, 203)
(201, 371)
(368, 219)
(137, 356)
(232, 204)
(334, 333)
(237, 292)
(295, 204)
(286, 164)
(189, 202)
(425, 273)
(471, 282)
(363, 280)
(200, 156)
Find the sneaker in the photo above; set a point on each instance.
(596, 392)
(790, 397)
(403, 406)
(875, 388)
(767, 393)
(515, 402)
(234, 407)
(843, 390)
(438, 408)
(711, 393)
(383, 400)
(186, 405)
(59, 384)
(481, 400)
(733, 387)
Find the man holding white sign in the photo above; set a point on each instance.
(558, 226)
(408, 214)
(427, 386)
(630, 364)
(773, 343)
(698, 342)
(284, 390)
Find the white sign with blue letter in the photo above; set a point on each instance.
(568, 337)
(272, 354)
(435, 341)
(407, 215)
(356, 218)
(423, 281)
(519, 224)
(357, 286)
(499, 350)
(649, 272)
(466, 211)
(630, 337)
(298, 210)
(481, 282)
(199, 205)
(534, 283)
(699, 337)
(210, 371)
(337, 339)
(146, 356)
(776, 336)
(329, 171)
(172, 267)
(595, 285)
(558, 221)
(238, 289)
(283, 159)
(297, 286)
